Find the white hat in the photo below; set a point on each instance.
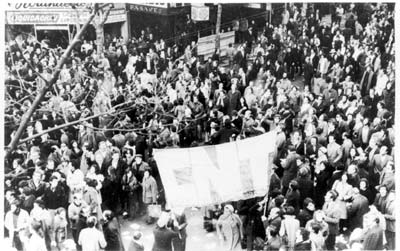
(163, 220)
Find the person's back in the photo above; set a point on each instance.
(163, 239)
(90, 238)
(373, 239)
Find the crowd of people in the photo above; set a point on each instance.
(326, 89)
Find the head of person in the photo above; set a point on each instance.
(318, 216)
(53, 181)
(290, 211)
(37, 175)
(163, 220)
(344, 177)
(15, 206)
(228, 209)
(309, 204)
(146, 174)
(91, 221)
(138, 159)
(331, 138)
(383, 191)
(108, 215)
(331, 196)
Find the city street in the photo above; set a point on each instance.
(198, 238)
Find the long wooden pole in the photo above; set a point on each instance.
(218, 27)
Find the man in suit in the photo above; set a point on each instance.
(290, 168)
(356, 209)
(368, 81)
(364, 133)
(332, 217)
(379, 161)
(308, 72)
(312, 151)
(335, 152)
(233, 99)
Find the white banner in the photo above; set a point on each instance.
(209, 175)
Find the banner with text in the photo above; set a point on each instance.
(208, 175)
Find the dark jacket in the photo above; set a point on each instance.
(224, 135)
(163, 239)
(112, 235)
(303, 246)
(55, 199)
(304, 216)
(306, 188)
(358, 208)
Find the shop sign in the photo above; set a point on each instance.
(148, 9)
(58, 17)
(32, 18)
(254, 5)
(47, 6)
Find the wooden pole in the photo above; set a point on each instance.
(218, 27)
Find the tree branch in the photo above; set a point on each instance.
(74, 122)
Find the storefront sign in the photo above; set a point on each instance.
(149, 9)
(254, 5)
(58, 17)
(33, 6)
(32, 18)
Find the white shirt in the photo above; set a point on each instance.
(36, 243)
(91, 239)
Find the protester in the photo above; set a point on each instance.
(90, 238)
(229, 228)
(163, 236)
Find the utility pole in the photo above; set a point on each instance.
(218, 26)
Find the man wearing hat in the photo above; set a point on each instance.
(163, 236)
(138, 168)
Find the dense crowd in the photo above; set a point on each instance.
(327, 90)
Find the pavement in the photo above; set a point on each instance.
(198, 239)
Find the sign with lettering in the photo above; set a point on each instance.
(149, 9)
(47, 6)
(32, 18)
(59, 17)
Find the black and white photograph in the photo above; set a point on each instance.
(198, 126)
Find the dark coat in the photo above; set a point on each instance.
(234, 101)
(290, 169)
(304, 216)
(303, 246)
(163, 239)
(224, 135)
(356, 211)
(55, 199)
(306, 188)
(112, 235)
